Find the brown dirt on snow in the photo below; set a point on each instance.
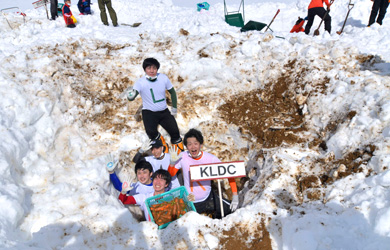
(239, 237)
(273, 114)
(311, 186)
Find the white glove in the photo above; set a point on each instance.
(174, 112)
(146, 145)
(126, 187)
(175, 157)
(234, 203)
(191, 197)
(111, 163)
(131, 94)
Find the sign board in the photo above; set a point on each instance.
(220, 170)
(39, 3)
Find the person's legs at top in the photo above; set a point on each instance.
(382, 11)
(327, 20)
(103, 14)
(374, 12)
(310, 20)
(54, 9)
(112, 12)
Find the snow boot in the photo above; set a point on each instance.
(166, 148)
(179, 147)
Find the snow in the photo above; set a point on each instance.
(62, 110)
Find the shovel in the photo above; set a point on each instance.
(317, 31)
(277, 12)
(350, 6)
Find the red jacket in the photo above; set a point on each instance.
(318, 3)
(67, 13)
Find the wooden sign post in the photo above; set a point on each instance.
(218, 171)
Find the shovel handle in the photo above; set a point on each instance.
(277, 12)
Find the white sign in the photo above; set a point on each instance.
(219, 170)
(39, 3)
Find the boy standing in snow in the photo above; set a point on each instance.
(67, 14)
(103, 14)
(84, 7)
(158, 160)
(161, 180)
(155, 111)
(381, 6)
(316, 8)
(206, 201)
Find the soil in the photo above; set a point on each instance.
(240, 237)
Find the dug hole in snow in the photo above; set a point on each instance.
(308, 115)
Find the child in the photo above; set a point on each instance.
(68, 16)
(298, 27)
(316, 8)
(206, 200)
(158, 160)
(84, 7)
(161, 180)
(152, 88)
(144, 172)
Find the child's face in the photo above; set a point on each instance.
(143, 176)
(159, 184)
(193, 146)
(157, 152)
(151, 70)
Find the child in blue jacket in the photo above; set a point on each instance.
(84, 7)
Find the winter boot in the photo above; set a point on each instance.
(166, 148)
(178, 147)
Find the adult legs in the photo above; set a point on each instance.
(53, 9)
(374, 11)
(112, 12)
(103, 14)
(382, 11)
(328, 22)
(310, 20)
(318, 11)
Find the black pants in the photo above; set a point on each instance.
(319, 11)
(212, 206)
(165, 119)
(54, 9)
(381, 6)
